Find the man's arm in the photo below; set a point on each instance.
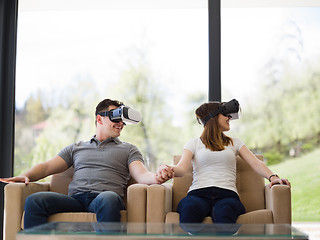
(141, 174)
(39, 171)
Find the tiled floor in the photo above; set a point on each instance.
(310, 228)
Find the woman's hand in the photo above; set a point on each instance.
(164, 173)
(276, 180)
(21, 179)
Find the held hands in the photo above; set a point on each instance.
(21, 179)
(164, 173)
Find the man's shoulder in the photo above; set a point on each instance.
(82, 143)
(129, 145)
(78, 144)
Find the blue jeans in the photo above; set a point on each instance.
(222, 205)
(39, 206)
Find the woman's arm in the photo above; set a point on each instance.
(177, 170)
(260, 167)
(184, 164)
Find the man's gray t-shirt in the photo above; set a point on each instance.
(99, 166)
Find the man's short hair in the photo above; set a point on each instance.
(104, 105)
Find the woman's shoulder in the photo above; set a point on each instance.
(195, 140)
(237, 142)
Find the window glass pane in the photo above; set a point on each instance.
(153, 59)
(270, 63)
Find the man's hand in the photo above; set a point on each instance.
(39, 171)
(164, 173)
(21, 179)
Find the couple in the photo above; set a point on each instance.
(103, 165)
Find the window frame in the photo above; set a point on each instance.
(8, 33)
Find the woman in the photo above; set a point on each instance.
(213, 191)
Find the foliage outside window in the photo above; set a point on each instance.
(69, 60)
(270, 63)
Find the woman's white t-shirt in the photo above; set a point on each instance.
(214, 168)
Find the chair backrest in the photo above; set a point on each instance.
(60, 182)
(250, 186)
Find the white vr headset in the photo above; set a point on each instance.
(123, 113)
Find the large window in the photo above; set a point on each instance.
(153, 57)
(270, 63)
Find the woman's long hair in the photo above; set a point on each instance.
(212, 136)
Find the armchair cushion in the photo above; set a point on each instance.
(15, 195)
(278, 200)
(262, 216)
(76, 217)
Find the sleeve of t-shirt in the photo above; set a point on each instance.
(191, 145)
(66, 155)
(237, 143)
(134, 155)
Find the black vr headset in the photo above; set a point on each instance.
(123, 113)
(229, 109)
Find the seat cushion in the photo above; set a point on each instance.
(172, 217)
(73, 217)
(76, 217)
(262, 216)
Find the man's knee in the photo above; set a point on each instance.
(35, 199)
(107, 206)
(108, 200)
(109, 197)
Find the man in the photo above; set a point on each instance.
(102, 168)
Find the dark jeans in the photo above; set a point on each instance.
(222, 205)
(39, 206)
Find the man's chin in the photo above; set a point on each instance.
(117, 134)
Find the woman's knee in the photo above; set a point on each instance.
(192, 209)
(227, 210)
(191, 202)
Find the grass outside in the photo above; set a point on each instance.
(304, 175)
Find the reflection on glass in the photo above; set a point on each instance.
(165, 230)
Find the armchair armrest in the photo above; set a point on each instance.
(278, 200)
(15, 195)
(136, 202)
(159, 202)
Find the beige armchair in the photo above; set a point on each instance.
(16, 193)
(263, 205)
